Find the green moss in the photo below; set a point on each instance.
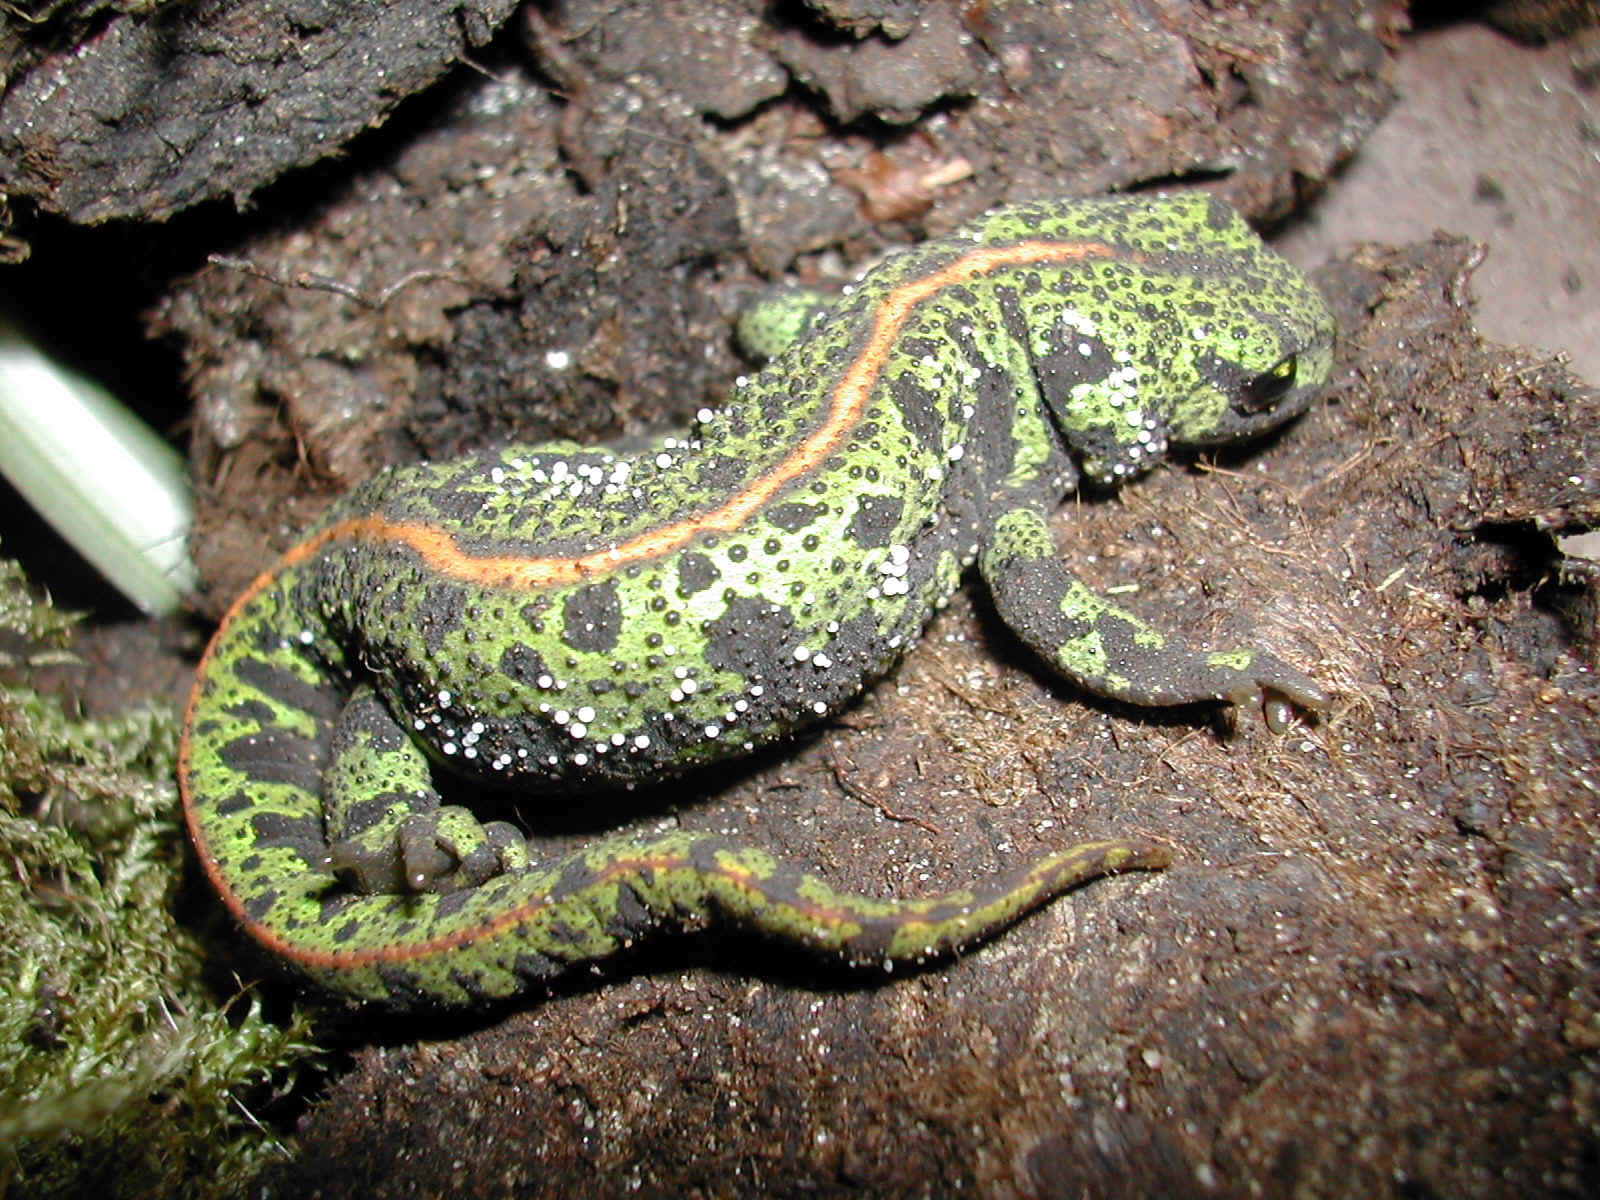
(120, 1073)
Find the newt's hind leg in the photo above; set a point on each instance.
(388, 832)
(1108, 649)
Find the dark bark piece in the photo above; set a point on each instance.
(163, 109)
(709, 54)
(198, 101)
(1540, 21)
(894, 81)
(896, 18)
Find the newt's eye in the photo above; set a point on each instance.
(1266, 389)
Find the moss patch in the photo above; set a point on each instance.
(119, 1075)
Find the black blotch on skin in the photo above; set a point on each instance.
(273, 755)
(783, 886)
(776, 402)
(470, 982)
(401, 984)
(703, 858)
(288, 688)
(920, 346)
(719, 473)
(748, 636)
(990, 446)
(236, 803)
(576, 875)
(1218, 215)
(523, 664)
(251, 712)
(262, 903)
(303, 835)
(563, 934)
(791, 518)
(362, 815)
(452, 504)
(267, 639)
(1229, 378)
(876, 519)
(630, 917)
(920, 409)
(535, 968)
(438, 614)
(334, 906)
(366, 717)
(1065, 366)
(696, 572)
(592, 618)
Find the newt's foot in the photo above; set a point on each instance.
(1254, 680)
(440, 851)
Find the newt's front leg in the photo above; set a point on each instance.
(1109, 650)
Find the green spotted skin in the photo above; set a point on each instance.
(558, 619)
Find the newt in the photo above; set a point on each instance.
(562, 619)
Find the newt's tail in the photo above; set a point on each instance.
(528, 928)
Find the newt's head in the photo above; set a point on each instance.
(1188, 331)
